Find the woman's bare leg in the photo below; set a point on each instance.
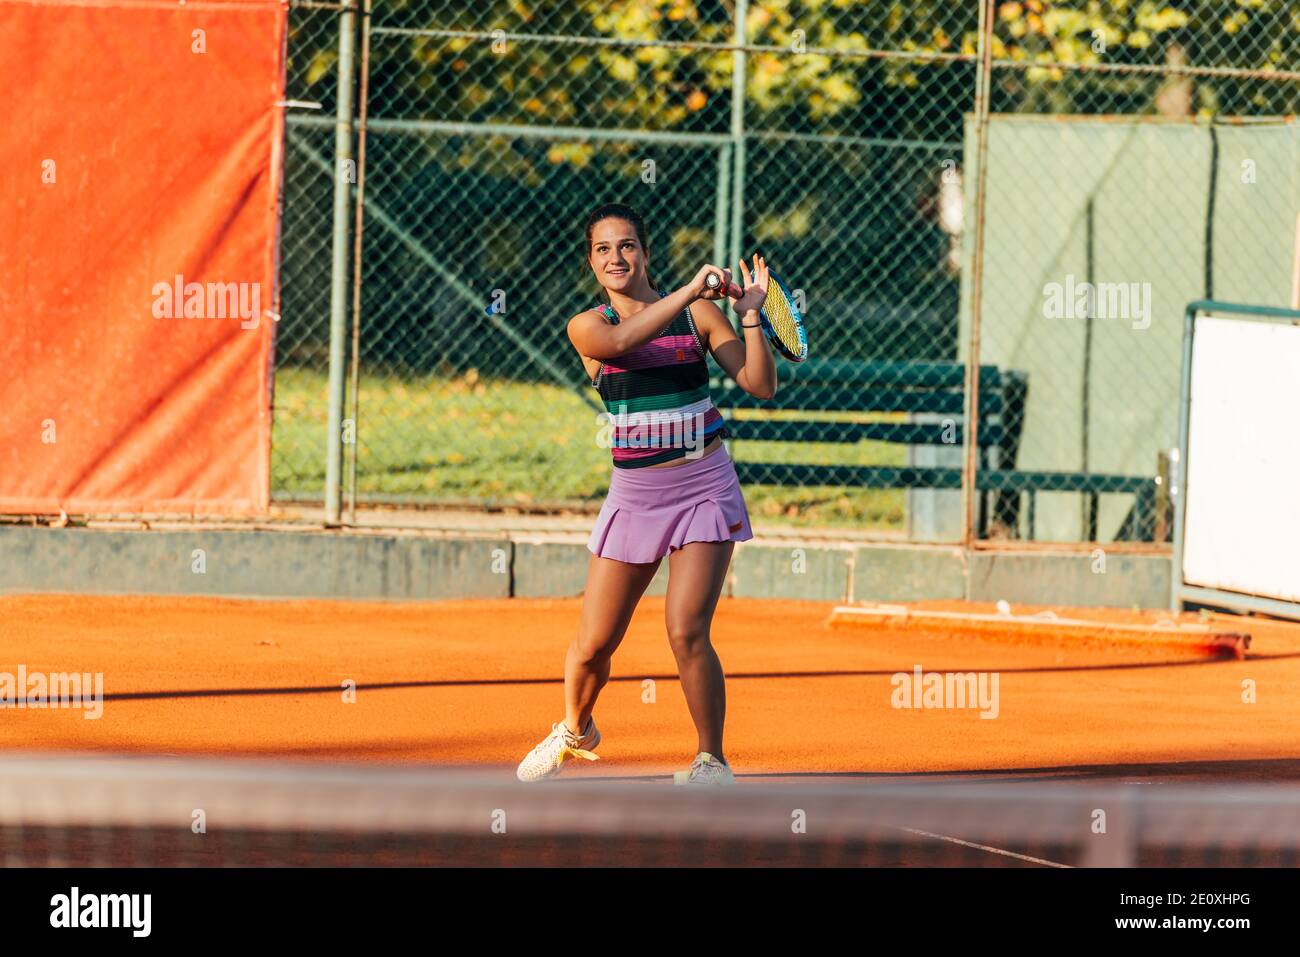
(696, 574)
(613, 590)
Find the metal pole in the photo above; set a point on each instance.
(971, 432)
(1178, 472)
(358, 234)
(738, 137)
(720, 206)
(720, 225)
(1089, 502)
(1295, 268)
(339, 269)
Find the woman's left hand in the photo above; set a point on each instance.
(755, 287)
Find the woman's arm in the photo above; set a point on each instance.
(748, 362)
(592, 336)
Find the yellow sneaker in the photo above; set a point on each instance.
(545, 760)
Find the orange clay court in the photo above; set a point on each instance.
(479, 682)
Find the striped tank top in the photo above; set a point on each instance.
(657, 396)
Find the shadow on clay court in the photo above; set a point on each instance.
(731, 676)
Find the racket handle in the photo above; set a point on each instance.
(713, 282)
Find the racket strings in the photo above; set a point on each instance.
(782, 319)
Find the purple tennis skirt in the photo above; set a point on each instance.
(649, 512)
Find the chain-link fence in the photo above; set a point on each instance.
(300, 436)
(1155, 177)
(1039, 186)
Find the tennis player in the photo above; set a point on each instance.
(673, 489)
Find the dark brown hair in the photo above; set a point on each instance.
(618, 211)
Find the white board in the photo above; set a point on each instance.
(1242, 530)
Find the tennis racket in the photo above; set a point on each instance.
(781, 319)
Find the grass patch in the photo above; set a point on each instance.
(466, 437)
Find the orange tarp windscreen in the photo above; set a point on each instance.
(139, 170)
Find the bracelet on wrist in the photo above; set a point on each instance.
(747, 326)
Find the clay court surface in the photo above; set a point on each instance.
(480, 682)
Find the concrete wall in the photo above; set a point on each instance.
(406, 566)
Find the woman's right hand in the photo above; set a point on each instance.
(700, 288)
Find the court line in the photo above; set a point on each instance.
(985, 847)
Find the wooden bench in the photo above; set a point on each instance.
(935, 391)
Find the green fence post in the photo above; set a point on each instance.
(738, 135)
(720, 207)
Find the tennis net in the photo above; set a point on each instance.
(164, 812)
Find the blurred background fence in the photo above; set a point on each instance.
(941, 180)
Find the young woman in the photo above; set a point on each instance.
(673, 489)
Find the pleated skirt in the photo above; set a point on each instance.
(649, 512)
